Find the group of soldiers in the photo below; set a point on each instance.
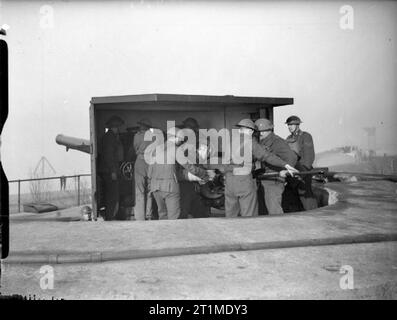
(171, 187)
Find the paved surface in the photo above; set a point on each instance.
(292, 266)
(303, 273)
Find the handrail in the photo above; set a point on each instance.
(51, 178)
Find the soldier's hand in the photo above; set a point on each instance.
(211, 174)
(291, 170)
(283, 173)
(114, 176)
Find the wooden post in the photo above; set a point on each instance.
(94, 155)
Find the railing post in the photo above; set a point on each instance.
(19, 195)
(78, 190)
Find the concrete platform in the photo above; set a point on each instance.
(365, 212)
(291, 256)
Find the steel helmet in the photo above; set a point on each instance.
(145, 122)
(114, 121)
(264, 125)
(191, 123)
(293, 120)
(246, 123)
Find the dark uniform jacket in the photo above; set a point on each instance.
(112, 153)
(259, 153)
(302, 143)
(280, 148)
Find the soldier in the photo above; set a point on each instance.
(141, 170)
(192, 124)
(273, 189)
(112, 156)
(191, 202)
(302, 144)
(163, 177)
(240, 187)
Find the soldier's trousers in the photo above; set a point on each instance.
(306, 194)
(191, 203)
(168, 204)
(112, 195)
(240, 196)
(273, 191)
(309, 201)
(141, 190)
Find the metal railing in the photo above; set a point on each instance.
(19, 181)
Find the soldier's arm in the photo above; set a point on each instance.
(286, 153)
(308, 150)
(196, 170)
(191, 166)
(262, 154)
(136, 143)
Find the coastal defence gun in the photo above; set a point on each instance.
(126, 168)
(211, 112)
(82, 145)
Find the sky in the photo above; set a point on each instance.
(339, 66)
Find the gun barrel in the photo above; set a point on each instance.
(271, 175)
(79, 144)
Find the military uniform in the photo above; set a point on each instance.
(164, 184)
(112, 156)
(273, 189)
(191, 201)
(302, 144)
(240, 187)
(140, 175)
